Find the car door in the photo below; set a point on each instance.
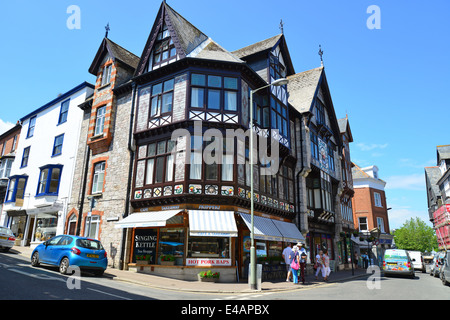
(45, 255)
(61, 249)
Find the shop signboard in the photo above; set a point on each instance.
(145, 245)
(208, 262)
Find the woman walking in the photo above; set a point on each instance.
(318, 263)
(325, 265)
(296, 262)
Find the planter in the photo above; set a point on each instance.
(167, 263)
(142, 262)
(209, 279)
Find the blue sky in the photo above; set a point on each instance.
(391, 82)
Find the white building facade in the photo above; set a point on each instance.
(41, 177)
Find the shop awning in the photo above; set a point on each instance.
(147, 219)
(289, 231)
(363, 243)
(208, 223)
(264, 228)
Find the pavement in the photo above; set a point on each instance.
(166, 283)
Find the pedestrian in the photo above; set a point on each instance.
(325, 265)
(302, 261)
(355, 259)
(286, 256)
(295, 260)
(318, 263)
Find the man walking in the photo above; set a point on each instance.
(287, 259)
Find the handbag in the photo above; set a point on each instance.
(295, 265)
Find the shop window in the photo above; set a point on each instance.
(171, 244)
(45, 227)
(208, 247)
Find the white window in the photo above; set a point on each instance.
(377, 197)
(100, 120)
(106, 77)
(91, 227)
(99, 174)
(5, 168)
(363, 224)
(380, 223)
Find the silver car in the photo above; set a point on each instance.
(7, 239)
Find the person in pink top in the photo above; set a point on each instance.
(325, 265)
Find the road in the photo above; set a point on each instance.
(20, 281)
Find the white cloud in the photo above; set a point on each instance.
(370, 146)
(5, 126)
(398, 215)
(414, 181)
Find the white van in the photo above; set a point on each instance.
(417, 260)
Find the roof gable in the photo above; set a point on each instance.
(185, 36)
(116, 52)
(344, 127)
(265, 46)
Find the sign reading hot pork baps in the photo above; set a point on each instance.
(145, 245)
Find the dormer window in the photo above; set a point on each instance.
(164, 48)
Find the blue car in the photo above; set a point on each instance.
(65, 250)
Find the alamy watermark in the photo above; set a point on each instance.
(74, 20)
(374, 20)
(211, 145)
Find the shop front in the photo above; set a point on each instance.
(181, 242)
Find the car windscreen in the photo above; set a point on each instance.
(6, 231)
(89, 244)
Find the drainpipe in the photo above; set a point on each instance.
(299, 225)
(130, 172)
(83, 191)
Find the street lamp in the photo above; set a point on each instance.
(279, 82)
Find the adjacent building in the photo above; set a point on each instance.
(437, 180)
(40, 178)
(370, 210)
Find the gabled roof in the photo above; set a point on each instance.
(432, 176)
(303, 87)
(443, 152)
(213, 51)
(265, 46)
(116, 52)
(185, 35)
(344, 126)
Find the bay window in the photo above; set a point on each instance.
(16, 189)
(49, 179)
(214, 92)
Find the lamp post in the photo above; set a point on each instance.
(279, 82)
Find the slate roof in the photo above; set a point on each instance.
(302, 88)
(117, 53)
(213, 51)
(188, 35)
(443, 152)
(257, 47)
(433, 174)
(344, 125)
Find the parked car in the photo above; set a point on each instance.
(445, 268)
(397, 261)
(65, 251)
(435, 268)
(7, 239)
(417, 261)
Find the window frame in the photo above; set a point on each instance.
(99, 118)
(31, 127)
(163, 44)
(159, 98)
(57, 149)
(95, 182)
(106, 74)
(13, 193)
(25, 157)
(360, 223)
(207, 87)
(165, 157)
(64, 112)
(377, 200)
(48, 181)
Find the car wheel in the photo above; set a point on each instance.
(35, 259)
(64, 265)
